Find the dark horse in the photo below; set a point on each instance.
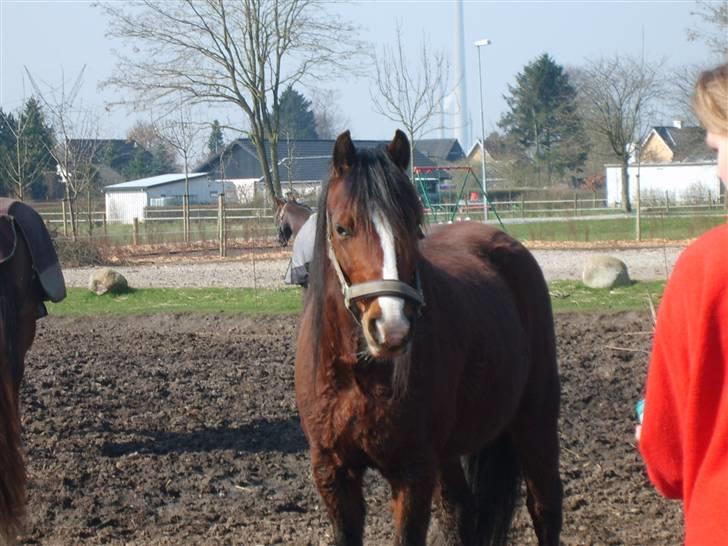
(290, 215)
(21, 303)
(430, 360)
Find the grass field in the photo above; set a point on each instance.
(566, 296)
(616, 229)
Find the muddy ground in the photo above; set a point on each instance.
(183, 430)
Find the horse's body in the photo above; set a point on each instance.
(21, 304)
(290, 215)
(473, 377)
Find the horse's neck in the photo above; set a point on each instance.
(297, 217)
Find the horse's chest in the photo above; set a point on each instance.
(365, 423)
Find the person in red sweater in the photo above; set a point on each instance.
(684, 435)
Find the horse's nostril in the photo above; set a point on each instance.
(392, 333)
(374, 331)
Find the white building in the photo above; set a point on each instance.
(676, 164)
(678, 182)
(127, 200)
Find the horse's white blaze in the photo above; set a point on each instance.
(393, 325)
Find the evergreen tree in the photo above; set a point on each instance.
(543, 119)
(216, 142)
(25, 158)
(296, 116)
(7, 125)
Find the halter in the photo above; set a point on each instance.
(385, 287)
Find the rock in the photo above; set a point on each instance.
(107, 280)
(605, 272)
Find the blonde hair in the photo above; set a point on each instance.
(710, 101)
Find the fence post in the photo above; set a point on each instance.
(186, 217)
(523, 205)
(667, 201)
(221, 225)
(135, 233)
(65, 225)
(106, 233)
(576, 204)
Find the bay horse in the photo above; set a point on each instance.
(431, 360)
(23, 288)
(290, 215)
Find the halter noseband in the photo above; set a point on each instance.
(371, 289)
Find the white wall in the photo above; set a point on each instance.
(124, 206)
(681, 181)
(244, 188)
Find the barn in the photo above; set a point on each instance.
(127, 200)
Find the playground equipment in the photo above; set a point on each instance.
(459, 199)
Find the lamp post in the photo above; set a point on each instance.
(478, 45)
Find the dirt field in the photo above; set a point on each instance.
(183, 430)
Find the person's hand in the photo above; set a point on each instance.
(637, 432)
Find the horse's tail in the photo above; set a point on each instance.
(493, 474)
(12, 463)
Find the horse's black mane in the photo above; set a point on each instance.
(373, 183)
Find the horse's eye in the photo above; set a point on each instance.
(342, 231)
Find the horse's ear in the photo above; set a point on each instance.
(344, 153)
(399, 150)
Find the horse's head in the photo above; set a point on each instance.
(290, 215)
(373, 217)
(285, 231)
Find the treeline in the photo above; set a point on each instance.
(35, 160)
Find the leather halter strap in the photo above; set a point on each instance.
(373, 289)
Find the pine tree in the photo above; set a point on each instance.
(543, 119)
(7, 125)
(26, 141)
(215, 143)
(297, 120)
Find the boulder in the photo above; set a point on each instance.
(107, 280)
(605, 272)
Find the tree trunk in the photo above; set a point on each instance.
(626, 205)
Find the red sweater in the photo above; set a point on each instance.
(684, 438)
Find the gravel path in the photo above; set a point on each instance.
(643, 264)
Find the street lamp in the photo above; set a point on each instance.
(478, 45)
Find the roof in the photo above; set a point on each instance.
(686, 143)
(311, 158)
(304, 169)
(152, 181)
(113, 151)
(440, 148)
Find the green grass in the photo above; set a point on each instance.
(81, 302)
(566, 296)
(616, 229)
(574, 297)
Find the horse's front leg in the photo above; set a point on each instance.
(412, 503)
(340, 488)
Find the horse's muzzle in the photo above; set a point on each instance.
(387, 339)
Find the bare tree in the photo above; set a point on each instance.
(146, 134)
(330, 120)
(712, 28)
(181, 133)
(407, 92)
(241, 52)
(618, 99)
(682, 86)
(77, 141)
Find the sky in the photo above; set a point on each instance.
(57, 38)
